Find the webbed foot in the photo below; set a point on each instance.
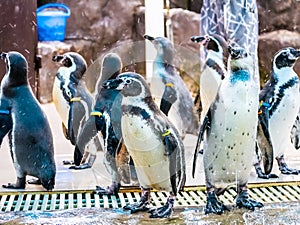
(20, 184)
(213, 205)
(142, 205)
(35, 181)
(164, 211)
(68, 162)
(261, 174)
(80, 167)
(287, 171)
(243, 201)
(113, 189)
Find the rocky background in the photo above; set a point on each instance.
(99, 26)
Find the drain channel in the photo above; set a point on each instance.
(193, 196)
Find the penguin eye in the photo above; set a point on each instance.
(128, 81)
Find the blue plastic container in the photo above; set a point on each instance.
(52, 21)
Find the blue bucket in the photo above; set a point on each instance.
(51, 21)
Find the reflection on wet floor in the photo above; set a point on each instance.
(279, 213)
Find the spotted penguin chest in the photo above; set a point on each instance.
(147, 152)
(229, 146)
(61, 105)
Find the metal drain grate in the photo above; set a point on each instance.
(34, 201)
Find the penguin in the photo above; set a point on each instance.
(31, 141)
(295, 133)
(73, 102)
(153, 143)
(214, 69)
(169, 90)
(280, 102)
(106, 118)
(229, 131)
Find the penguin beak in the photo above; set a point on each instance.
(113, 84)
(296, 53)
(201, 39)
(197, 39)
(150, 38)
(57, 58)
(63, 60)
(236, 52)
(3, 55)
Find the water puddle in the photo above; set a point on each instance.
(279, 213)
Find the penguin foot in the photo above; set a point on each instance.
(20, 184)
(140, 206)
(262, 175)
(164, 211)
(213, 205)
(68, 162)
(34, 181)
(113, 189)
(243, 201)
(80, 167)
(287, 171)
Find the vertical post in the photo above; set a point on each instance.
(154, 26)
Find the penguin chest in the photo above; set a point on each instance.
(230, 142)
(61, 104)
(147, 151)
(282, 120)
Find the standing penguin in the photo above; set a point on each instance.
(229, 130)
(73, 101)
(280, 102)
(106, 118)
(214, 69)
(152, 141)
(30, 139)
(169, 90)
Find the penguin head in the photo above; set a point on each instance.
(212, 42)
(16, 68)
(74, 62)
(239, 59)
(130, 85)
(164, 47)
(286, 57)
(111, 67)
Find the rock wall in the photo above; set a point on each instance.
(97, 27)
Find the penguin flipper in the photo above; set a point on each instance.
(205, 125)
(73, 122)
(65, 131)
(171, 147)
(168, 98)
(87, 133)
(264, 139)
(266, 147)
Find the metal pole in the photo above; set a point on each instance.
(154, 26)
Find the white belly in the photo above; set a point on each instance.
(282, 121)
(147, 152)
(229, 149)
(61, 105)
